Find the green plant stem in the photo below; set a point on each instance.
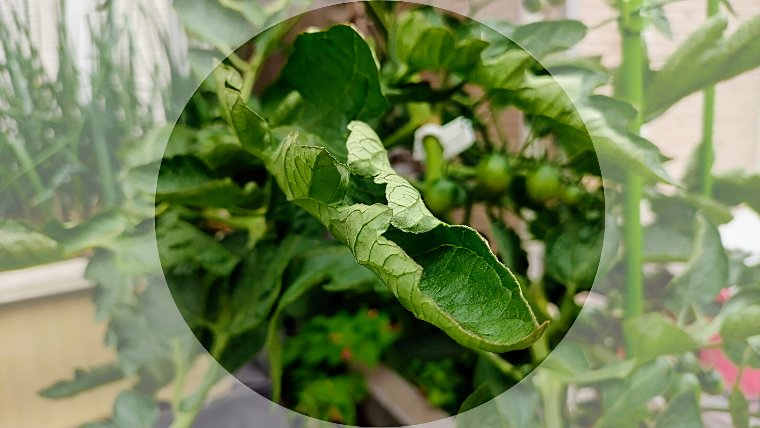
(186, 410)
(434, 162)
(501, 364)
(706, 150)
(250, 73)
(181, 369)
(540, 348)
(27, 165)
(103, 159)
(252, 68)
(551, 395)
(419, 114)
(633, 92)
(377, 14)
(566, 311)
(633, 242)
(406, 131)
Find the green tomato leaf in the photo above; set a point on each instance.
(137, 342)
(665, 243)
(705, 58)
(741, 323)
(433, 50)
(252, 130)
(503, 72)
(623, 401)
(488, 407)
(739, 408)
(260, 283)
(224, 28)
(336, 73)
(570, 364)
(683, 411)
(740, 318)
(656, 15)
(614, 143)
(706, 272)
(22, 246)
(546, 37)
(187, 181)
(445, 275)
(99, 231)
(652, 335)
(573, 253)
(161, 311)
(134, 409)
(754, 344)
(736, 188)
(468, 55)
(440, 273)
(599, 120)
(84, 380)
(179, 243)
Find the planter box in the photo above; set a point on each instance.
(46, 316)
(48, 330)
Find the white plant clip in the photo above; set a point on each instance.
(455, 137)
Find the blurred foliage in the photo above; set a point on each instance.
(244, 266)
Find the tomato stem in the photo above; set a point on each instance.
(632, 91)
(434, 161)
(706, 151)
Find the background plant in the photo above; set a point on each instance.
(215, 194)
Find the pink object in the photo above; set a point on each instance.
(716, 358)
(725, 294)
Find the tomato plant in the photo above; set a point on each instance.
(302, 186)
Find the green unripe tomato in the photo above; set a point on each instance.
(690, 363)
(682, 382)
(494, 174)
(543, 183)
(571, 195)
(533, 6)
(711, 382)
(440, 196)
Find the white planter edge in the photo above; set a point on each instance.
(44, 281)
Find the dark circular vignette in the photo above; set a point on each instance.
(242, 169)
